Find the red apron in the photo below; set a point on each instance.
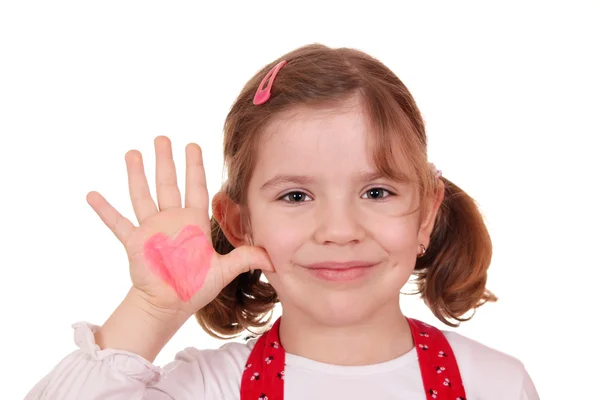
(264, 373)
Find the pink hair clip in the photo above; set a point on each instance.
(263, 94)
(437, 172)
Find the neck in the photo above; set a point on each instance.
(383, 336)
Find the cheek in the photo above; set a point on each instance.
(280, 237)
(397, 236)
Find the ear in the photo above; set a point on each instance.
(228, 215)
(428, 220)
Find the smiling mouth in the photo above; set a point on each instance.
(340, 272)
(339, 265)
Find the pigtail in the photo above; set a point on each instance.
(242, 304)
(452, 275)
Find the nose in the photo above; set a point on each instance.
(339, 223)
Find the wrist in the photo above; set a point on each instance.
(140, 300)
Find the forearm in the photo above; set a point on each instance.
(137, 327)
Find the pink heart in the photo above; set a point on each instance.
(182, 263)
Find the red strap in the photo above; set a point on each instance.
(264, 374)
(439, 370)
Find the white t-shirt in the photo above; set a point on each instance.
(89, 373)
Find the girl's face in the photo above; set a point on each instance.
(315, 197)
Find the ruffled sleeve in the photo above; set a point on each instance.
(92, 373)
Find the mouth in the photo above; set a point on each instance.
(340, 271)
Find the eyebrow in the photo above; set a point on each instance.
(280, 180)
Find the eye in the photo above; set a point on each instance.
(377, 193)
(294, 197)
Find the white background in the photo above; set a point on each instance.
(510, 94)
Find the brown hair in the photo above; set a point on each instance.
(452, 275)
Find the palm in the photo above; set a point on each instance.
(167, 221)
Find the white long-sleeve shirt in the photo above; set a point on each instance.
(90, 373)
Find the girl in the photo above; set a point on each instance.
(331, 196)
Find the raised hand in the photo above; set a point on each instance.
(171, 258)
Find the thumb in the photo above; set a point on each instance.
(246, 258)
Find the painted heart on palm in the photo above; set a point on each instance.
(182, 262)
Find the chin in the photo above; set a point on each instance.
(339, 309)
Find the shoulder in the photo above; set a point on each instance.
(214, 373)
(231, 356)
(488, 372)
(485, 358)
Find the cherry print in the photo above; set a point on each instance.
(424, 346)
(439, 370)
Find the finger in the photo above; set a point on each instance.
(141, 199)
(196, 193)
(167, 191)
(117, 223)
(244, 259)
